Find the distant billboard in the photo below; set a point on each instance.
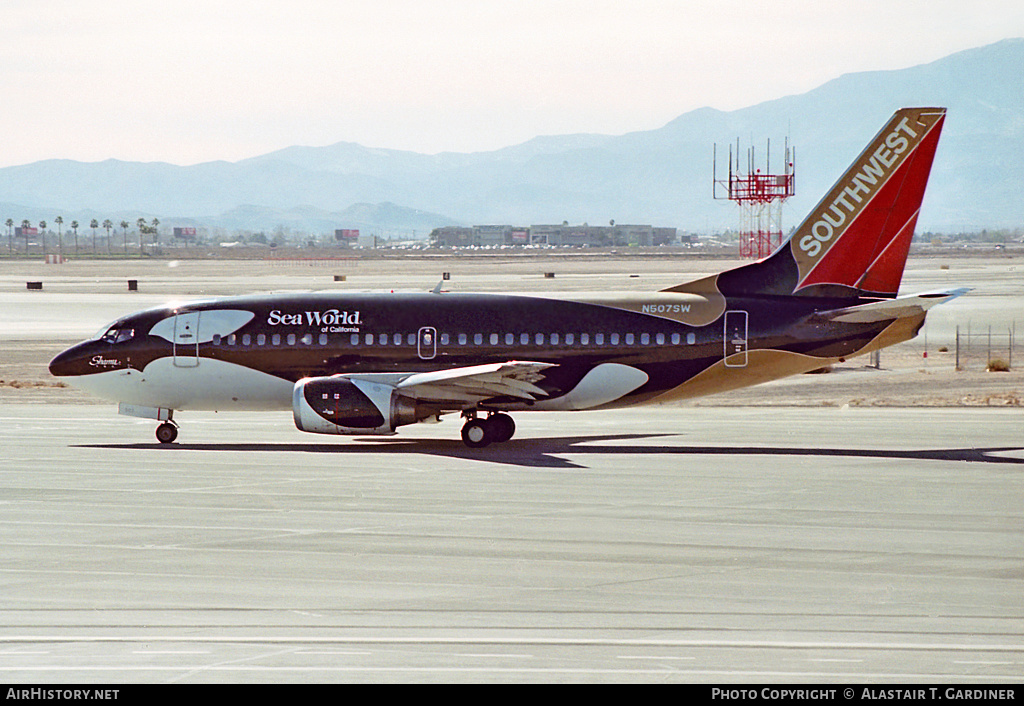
(26, 231)
(346, 234)
(185, 233)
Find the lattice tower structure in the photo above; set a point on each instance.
(760, 196)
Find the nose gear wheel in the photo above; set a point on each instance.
(166, 433)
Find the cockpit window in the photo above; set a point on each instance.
(118, 335)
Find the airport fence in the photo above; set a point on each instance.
(312, 261)
(990, 348)
(967, 346)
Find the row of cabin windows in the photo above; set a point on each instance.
(462, 339)
(261, 339)
(568, 339)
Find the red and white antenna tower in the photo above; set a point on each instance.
(760, 197)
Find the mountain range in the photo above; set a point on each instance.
(661, 177)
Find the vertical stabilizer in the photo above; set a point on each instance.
(855, 242)
(859, 235)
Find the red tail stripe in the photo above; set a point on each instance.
(885, 273)
(869, 244)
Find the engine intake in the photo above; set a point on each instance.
(339, 405)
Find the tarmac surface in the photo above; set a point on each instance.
(793, 532)
(683, 545)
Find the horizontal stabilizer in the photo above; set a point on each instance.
(888, 309)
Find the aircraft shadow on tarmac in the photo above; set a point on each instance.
(547, 452)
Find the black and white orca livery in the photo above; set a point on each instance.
(370, 363)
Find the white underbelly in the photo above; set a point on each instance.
(182, 384)
(604, 384)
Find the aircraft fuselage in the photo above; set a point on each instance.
(247, 352)
(369, 363)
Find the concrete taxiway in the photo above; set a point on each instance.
(678, 544)
(826, 542)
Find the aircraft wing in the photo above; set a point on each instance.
(898, 308)
(472, 384)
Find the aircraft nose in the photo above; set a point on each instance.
(70, 362)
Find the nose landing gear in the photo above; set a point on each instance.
(496, 428)
(167, 432)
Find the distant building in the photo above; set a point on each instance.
(602, 236)
(451, 237)
(581, 236)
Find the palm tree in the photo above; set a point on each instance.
(25, 225)
(74, 227)
(59, 220)
(108, 224)
(124, 228)
(156, 233)
(10, 234)
(94, 224)
(42, 235)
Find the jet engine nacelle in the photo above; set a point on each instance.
(339, 405)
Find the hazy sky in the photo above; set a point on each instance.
(198, 80)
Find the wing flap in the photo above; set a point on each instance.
(478, 382)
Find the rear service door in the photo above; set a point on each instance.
(735, 339)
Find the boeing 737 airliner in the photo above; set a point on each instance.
(370, 363)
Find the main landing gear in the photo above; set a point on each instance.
(496, 428)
